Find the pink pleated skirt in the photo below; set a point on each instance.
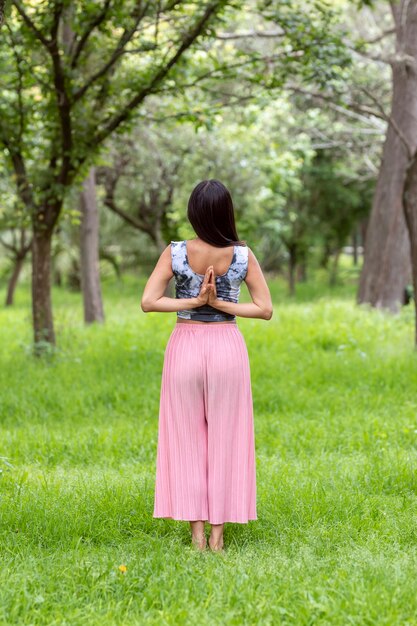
(205, 466)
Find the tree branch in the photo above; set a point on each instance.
(352, 109)
(58, 8)
(123, 41)
(64, 111)
(2, 8)
(110, 203)
(392, 121)
(24, 190)
(63, 102)
(99, 18)
(371, 57)
(20, 249)
(227, 67)
(251, 34)
(113, 122)
(386, 33)
(8, 246)
(19, 71)
(39, 35)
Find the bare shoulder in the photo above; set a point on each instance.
(254, 275)
(167, 250)
(252, 260)
(165, 254)
(164, 263)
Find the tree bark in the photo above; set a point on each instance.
(11, 287)
(363, 230)
(410, 212)
(386, 267)
(334, 268)
(41, 290)
(292, 266)
(302, 272)
(89, 248)
(355, 246)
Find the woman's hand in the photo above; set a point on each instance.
(203, 296)
(208, 292)
(212, 297)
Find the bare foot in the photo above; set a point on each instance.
(199, 542)
(198, 537)
(216, 537)
(216, 545)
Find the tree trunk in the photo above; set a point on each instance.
(363, 230)
(292, 265)
(325, 256)
(386, 267)
(43, 324)
(18, 264)
(57, 278)
(73, 276)
(90, 269)
(302, 272)
(410, 211)
(334, 268)
(355, 246)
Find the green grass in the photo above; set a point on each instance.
(334, 389)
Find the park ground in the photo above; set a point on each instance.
(334, 388)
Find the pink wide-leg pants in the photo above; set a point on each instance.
(205, 467)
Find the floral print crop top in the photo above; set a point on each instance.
(188, 283)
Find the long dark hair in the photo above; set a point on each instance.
(211, 214)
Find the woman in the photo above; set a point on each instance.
(205, 469)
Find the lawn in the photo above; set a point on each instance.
(334, 388)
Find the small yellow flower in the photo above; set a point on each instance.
(123, 569)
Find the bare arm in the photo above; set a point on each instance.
(153, 298)
(261, 305)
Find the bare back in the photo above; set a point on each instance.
(201, 255)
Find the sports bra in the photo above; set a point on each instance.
(188, 283)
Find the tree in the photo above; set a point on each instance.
(339, 200)
(67, 105)
(17, 247)
(15, 234)
(67, 100)
(89, 249)
(386, 267)
(410, 213)
(140, 180)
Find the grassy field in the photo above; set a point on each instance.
(335, 401)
